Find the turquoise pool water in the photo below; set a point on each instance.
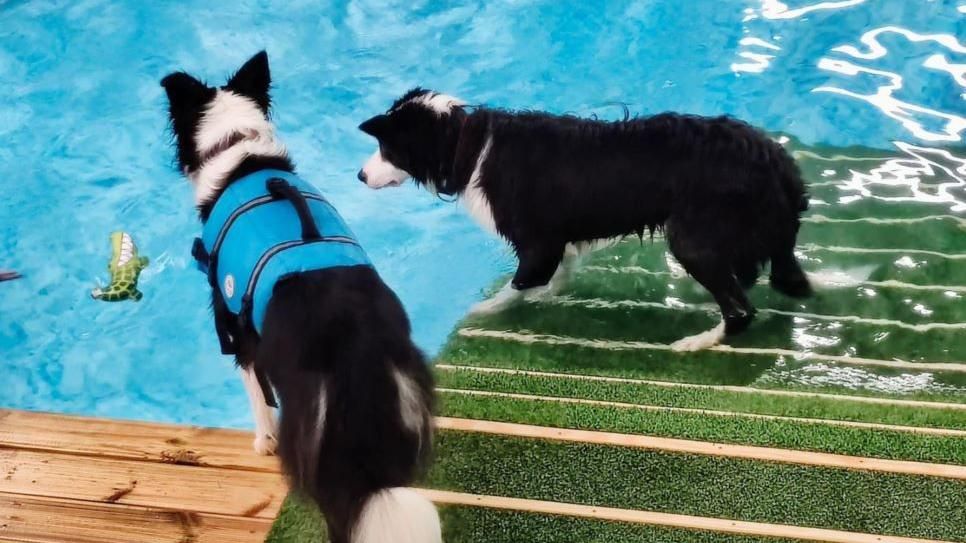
(83, 147)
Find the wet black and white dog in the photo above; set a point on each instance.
(727, 197)
(355, 392)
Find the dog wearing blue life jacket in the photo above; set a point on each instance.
(307, 317)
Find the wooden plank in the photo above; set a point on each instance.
(949, 432)
(49, 520)
(230, 449)
(147, 484)
(723, 388)
(166, 443)
(705, 448)
(719, 525)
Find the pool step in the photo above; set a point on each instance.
(668, 520)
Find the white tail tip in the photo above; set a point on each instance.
(398, 515)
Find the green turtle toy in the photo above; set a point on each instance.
(125, 267)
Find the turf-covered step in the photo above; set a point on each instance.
(682, 395)
(299, 521)
(607, 321)
(868, 300)
(897, 445)
(706, 367)
(700, 485)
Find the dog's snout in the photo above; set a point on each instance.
(362, 176)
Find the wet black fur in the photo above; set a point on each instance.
(339, 328)
(728, 197)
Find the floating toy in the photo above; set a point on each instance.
(8, 275)
(125, 267)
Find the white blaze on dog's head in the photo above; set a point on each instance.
(440, 103)
(379, 173)
(217, 128)
(393, 162)
(232, 128)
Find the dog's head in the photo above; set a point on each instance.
(417, 139)
(215, 128)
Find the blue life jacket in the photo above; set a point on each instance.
(263, 228)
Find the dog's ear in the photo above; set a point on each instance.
(253, 80)
(376, 126)
(185, 92)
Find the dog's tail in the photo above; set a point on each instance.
(401, 515)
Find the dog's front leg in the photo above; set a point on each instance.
(538, 263)
(537, 268)
(266, 440)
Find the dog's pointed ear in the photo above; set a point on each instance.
(253, 80)
(376, 126)
(184, 91)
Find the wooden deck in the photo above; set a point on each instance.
(79, 480)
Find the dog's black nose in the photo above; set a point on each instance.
(362, 176)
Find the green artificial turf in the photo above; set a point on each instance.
(664, 326)
(702, 398)
(692, 485)
(788, 435)
(300, 522)
(699, 485)
(703, 367)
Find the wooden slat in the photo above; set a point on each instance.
(49, 520)
(148, 484)
(767, 454)
(652, 518)
(132, 440)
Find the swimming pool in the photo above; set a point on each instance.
(84, 149)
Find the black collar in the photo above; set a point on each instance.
(234, 139)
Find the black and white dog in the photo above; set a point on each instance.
(356, 395)
(727, 197)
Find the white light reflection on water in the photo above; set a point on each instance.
(773, 9)
(826, 375)
(913, 171)
(942, 126)
(759, 61)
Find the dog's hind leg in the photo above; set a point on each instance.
(787, 276)
(266, 430)
(703, 261)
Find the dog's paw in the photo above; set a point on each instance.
(488, 307)
(697, 342)
(500, 301)
(265, 444)
(540, 294)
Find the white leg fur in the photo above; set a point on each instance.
(266, 440)
(414, 412)
(700, 341)
(504, 298)
(508, 296)
(398, 515)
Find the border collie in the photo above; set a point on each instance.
(355, 392)
(727, 197)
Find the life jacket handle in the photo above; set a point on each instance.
(280, 188)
